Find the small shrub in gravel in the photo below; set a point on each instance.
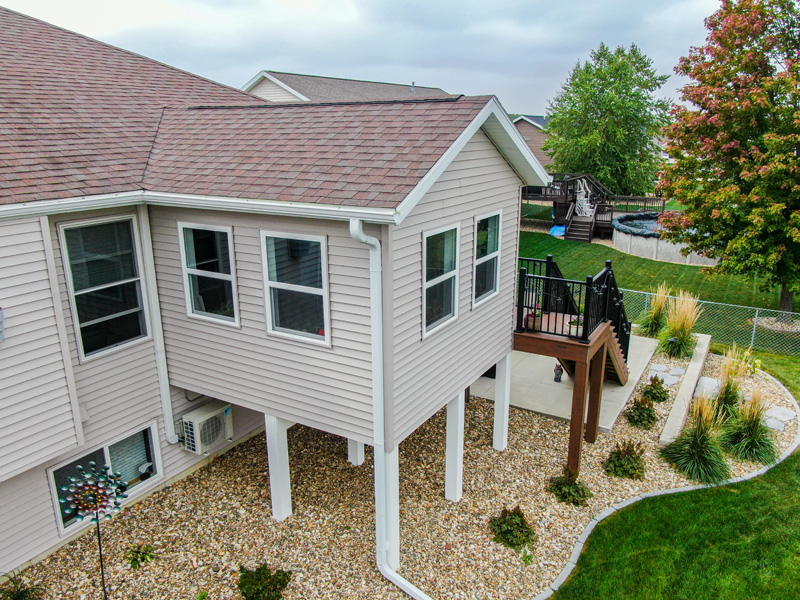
(16, 588)
(568, 489)
(263, 583)
(641, 414)
(746, 436)
(512, 529)
(655, 390)
(139, 554)
(626, 460)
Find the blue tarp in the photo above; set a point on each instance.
(558, 230)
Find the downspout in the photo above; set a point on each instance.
(376, 326)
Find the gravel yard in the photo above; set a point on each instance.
(206, 525)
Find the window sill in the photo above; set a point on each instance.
(236, 324)
(300, 338)
(443, 325)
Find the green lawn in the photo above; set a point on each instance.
(577, 260)
(673, 205)
(542, 212)
(737, 542)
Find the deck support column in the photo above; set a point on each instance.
(280, 483)
(597, 377)
(355, 452)
(454, 459)
(577, 415)
(502, 400)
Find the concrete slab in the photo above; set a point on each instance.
(775, 424)
(677, 371)
(533, 388)
(707, 387)
(658, 367)
(781, 414)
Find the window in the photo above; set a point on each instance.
(209, 281)
(105, 283)
(296, 286)
(440, 257)
(487, 256)
(133, 457)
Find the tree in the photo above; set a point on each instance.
(605, 120)
(737, 145)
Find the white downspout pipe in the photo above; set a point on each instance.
(380, 458)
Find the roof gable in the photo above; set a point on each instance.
(535, 120)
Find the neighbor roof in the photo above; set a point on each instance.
(537, 120)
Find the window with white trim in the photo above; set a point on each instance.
(133, 457)
(207, 255)
(105, 283)
(296, 286)
(440, 257)
(487, 256)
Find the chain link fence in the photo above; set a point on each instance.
(746, 326)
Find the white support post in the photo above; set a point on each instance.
(280, 482)
(502, 399)
(355, 452)
(454, 460)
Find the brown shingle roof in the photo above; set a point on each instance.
(333, 89)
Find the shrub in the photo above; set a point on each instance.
(16, 588)
(676, 337)
(655, 390)
(568, 489)
(656, 315)
(641, 414)
(746, 436)
(263, 583)
(696, 452)
(512, 530)
(139, 554)
(626, 460)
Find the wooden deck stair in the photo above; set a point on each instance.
(580, 229)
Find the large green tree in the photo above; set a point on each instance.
(737, 144)
(605, 119)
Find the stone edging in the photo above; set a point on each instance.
(683, 399)
(576, 551)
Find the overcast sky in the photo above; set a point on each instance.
(521, 51)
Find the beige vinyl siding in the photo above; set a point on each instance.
(269, 90)
(427, 373)
(37, 420)
(325, 388)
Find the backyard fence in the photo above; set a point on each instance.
(746, 326)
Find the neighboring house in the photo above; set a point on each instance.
(534, 131)
(166, 240)
(275, 86)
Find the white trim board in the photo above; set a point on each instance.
(247, 87)
(527, 120)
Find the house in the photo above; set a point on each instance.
(169, 243)
(533, 129)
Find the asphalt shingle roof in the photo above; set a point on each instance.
(333, 89)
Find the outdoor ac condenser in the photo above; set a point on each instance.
(206, 427)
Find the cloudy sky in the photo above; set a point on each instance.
(520, 50)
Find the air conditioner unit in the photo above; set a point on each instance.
(206, 427)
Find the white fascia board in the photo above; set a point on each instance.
(527, 120)
(264, 75)
(244, 205)
(505, 137)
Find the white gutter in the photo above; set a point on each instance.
(381, 456)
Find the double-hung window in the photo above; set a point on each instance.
(487, 256)
(105, 283)
(440, 257)
(209, 280)
(296, 286)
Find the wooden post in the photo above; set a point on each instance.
(597, 377)
(577, 416)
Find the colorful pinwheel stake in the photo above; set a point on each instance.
(95, 493)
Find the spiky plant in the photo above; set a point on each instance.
(676, 337)
(16, 588)
(656, 315)
(736, 366)
(746, 436)
(696, 452)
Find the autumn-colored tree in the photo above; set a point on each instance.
(605, 119)
(737, 145)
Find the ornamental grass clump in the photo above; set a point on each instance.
(656, 316)
(511, 529)
(696, 452)
(746, 436)
(676, 337)
(568, 489)
(626, 460)
(641, 413)
(655, 390)
(737, 366)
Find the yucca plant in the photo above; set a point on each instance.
(746, 436)
(696, 452)
(656, 315)
(676, 337)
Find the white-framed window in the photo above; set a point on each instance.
(296, 286)
(101, 262)
(486, 269)
(135, 456)
(440, 261)
(209, 272)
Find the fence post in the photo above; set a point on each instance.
(587, 303)
(607, 290)
(755, 326)
(523, 276)
(548, 284)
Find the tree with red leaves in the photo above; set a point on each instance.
(737, 145)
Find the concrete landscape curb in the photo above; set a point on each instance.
(576, 552)
(683, 399)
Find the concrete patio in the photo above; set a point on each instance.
(533, 388)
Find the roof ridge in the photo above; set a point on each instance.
(274, 105)
(412, 84)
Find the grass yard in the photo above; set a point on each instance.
(736, 542)
(541, 212)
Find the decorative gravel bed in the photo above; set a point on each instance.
(206, 525)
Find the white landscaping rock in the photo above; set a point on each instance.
(677, 371)
(708, 387)
(781, 414)
(658, 367)
(775, 424)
